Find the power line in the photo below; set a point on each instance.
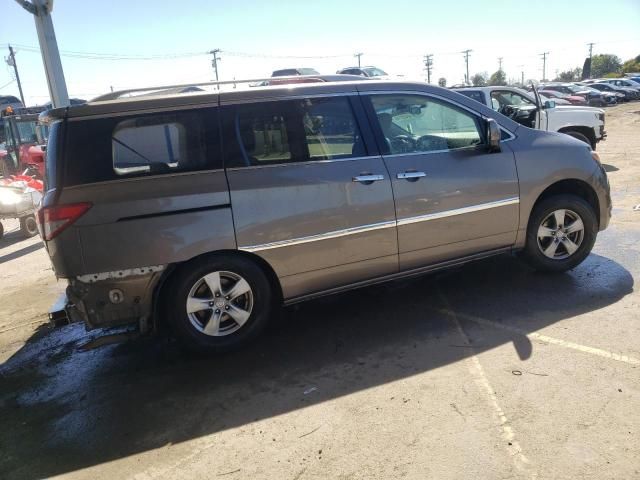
(500, 64)
(111, 56)
(7, 84)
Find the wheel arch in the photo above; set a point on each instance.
(584, 130)
(572, 186)
(173, 268)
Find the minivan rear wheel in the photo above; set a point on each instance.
(561, 232)
(218, 303)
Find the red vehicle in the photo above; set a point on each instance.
(24, 141)
(573, 99)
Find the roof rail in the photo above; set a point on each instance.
(276, 80)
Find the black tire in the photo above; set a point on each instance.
(532, 252)
(177, 291)
(579, 136)
(1, 231)
(29, 226)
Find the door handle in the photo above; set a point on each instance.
(411, 176)
(367, 179)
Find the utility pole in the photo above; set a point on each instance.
(500, 64)
(359, 55)
(11, 61)
(214, 63)
(428, 64)
(521, 67)
(466, 60)
(41, 11)
(590, 56)
(544, 65)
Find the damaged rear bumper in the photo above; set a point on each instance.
(111, 299)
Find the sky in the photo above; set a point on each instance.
(139, 43)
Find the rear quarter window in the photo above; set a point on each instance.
(156, 144)
(106, 149)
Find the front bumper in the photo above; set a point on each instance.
(603, 191)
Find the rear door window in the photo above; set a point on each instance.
(293, 131)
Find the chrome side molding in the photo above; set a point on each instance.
(459, 211)
(321, 236)
(378, 226)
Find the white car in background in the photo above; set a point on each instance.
(528, 109)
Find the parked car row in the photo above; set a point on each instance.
(624, 88)
(594, 92)
(368, 72)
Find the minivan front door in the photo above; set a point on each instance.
(452, 196)
(306, 195)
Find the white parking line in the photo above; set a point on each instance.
(550, 340)
(521, 462)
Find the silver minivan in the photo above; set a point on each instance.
(205, 212)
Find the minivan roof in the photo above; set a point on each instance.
(186, 95)
(139, 104)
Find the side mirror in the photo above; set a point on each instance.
(493, 135)
(550, 104)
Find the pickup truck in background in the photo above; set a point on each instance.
(527, 108)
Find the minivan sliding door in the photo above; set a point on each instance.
(307, 195)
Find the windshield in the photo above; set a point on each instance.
(26, 132)
(374, 72)
(308, 71)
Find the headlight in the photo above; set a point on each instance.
(9, 197)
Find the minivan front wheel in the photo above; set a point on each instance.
(561, 232)
(219, 303)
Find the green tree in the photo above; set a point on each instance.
(632, 65)
(442, 82)
(569, 75)
(479, 79)
(498, 78)
(605, 63)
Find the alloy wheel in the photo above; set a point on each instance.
(560, 234)
(219, 303)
